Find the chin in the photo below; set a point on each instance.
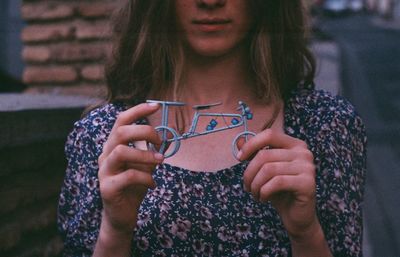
(212, 49)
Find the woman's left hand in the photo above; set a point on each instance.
(283, 172)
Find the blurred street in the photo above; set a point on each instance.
(370, 77)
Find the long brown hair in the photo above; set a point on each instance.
(147, 59)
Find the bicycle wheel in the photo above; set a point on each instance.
(168, 147)
(246, 135)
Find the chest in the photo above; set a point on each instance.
(212, 151)
(190, 207)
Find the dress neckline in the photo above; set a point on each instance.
(287, 108)
(219, 172)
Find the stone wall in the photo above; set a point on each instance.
(33, 131)
(65, 45)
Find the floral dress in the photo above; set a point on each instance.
(209, 214)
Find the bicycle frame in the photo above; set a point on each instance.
(241, 120)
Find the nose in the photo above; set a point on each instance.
(210, 4)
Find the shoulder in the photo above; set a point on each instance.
(101, 118)
(320, 117)
(93, 129)
(318, 106)
(312, 102)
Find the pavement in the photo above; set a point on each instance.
(393, 24)
(369, 75)
(328, 57)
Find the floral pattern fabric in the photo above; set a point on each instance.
(209, 214)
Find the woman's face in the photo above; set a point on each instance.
(213, 27)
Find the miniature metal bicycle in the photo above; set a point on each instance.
(237, 120)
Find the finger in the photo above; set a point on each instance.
(166, 140)
(240, 142)
(148, 168)
(131, 133)
(278, 184)
(262, 157)
(287, 183)
(135, 113)
(122, 154)
(112, 185)
(272, 139)
(267, 172)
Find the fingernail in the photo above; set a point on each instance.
(239, 155)
(152, 104)
(158, 156)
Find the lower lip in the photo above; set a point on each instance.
(212, 27)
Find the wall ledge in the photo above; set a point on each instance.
(26, 119)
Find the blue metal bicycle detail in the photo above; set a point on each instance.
(236, 120)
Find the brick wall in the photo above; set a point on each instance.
(33, 132)
(65, 45)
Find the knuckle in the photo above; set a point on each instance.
(308, 155)
(279, 181)
(254, 187)
(263, 193)
(149, 130)
(142, 157)
(148, 157)
(119, 132)
(100, 159)
(263, 154)
(270, 168)
(105, 188)
(268, 134)
(118, 152)
(132, 176)
(309, 185)
(310, 167)
(304, 154)
(121, 117)
(301, 144)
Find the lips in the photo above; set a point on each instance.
(211, 24)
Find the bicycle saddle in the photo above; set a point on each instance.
(205, 106)
(166, 102)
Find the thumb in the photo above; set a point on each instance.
(240, 142)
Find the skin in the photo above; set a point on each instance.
(125, 174)
(234, 19)
(281, 168)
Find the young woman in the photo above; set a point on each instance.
(298, 185)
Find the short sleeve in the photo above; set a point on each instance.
(79, 211)
(341, 165)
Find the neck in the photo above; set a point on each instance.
(217, 79)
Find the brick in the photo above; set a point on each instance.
(36, 54)
(79, 52)
(12, 199)
(93, 73)
(26, 220)
(93, 30)
(61, 74)
(46, 11)
(90, 10)
(97, 90)
(40, 33)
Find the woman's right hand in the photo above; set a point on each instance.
(125, 173)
